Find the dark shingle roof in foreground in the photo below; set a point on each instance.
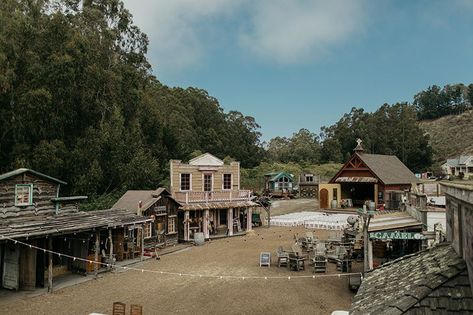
(433, 281)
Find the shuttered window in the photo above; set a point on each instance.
(23, 194)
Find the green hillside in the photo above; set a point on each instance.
(450, 136)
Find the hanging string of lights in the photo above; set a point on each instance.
(180, 274)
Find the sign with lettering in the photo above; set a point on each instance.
(396, 235)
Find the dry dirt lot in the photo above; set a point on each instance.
(165, 294)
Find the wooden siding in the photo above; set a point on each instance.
(43, 192)
(197, 172)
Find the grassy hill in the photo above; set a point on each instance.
(450, 136)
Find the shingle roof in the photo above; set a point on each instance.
(433, 281)
(27, 170)
(389, 169)
(131, 198)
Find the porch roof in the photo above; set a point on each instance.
(394, 220)
(29, 226)
(218, 205)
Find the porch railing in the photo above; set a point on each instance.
(212, 196)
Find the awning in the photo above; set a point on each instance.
(393, 221)
(356, 180)
(218, 205)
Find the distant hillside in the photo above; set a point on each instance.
(450, 135)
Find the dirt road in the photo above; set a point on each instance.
(166, 294)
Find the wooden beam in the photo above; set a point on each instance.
(50, 265)
(110, 241)
(142, 241)
(97, 250)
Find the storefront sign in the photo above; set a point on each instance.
(396, 235)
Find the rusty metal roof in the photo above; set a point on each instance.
(356, 180)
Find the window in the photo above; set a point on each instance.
(171, 225)
(207, 182)
(227, 181)
(148, 232)
(186, 181)
(470, 169)
(23, 194)
(335, 194)
(309, 178)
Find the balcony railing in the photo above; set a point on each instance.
(212, 196)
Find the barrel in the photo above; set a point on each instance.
(334, 204)
(199, 238)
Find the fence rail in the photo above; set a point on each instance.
(212, 196)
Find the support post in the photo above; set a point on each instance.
(96, 258)
(50, 265)
(366, 222)
(249, 217)
(206, 223)
(110, 240)
(370, 254)
(186, 225)
(230, 221)
(142, 242)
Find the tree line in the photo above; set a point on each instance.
(78, 101)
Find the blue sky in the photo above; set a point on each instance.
(302, 64)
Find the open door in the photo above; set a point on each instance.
(323, 198)
(10, 277)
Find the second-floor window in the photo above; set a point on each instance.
(207, 182)
(227, 181)
(185, 181)
(23, 194)
(309, 178)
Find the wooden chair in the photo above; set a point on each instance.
(119, 308)
(283, 257)
(296, 259)
(136, 309)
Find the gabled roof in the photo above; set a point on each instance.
(433, 281)
(462, 160)
(389, 169)
(276, 176)
(131, 198)
(27, 170)
(206, 159)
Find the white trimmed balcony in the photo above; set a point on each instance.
(188, 197)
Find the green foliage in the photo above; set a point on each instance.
(253, 178)
(78, 101)
(302, 147)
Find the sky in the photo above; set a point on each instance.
(303, 64)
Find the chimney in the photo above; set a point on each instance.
(140, 204)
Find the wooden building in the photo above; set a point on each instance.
(157, 205)
(278, 184)
(32, 211)
(381, 179)
(210, 197)
(308, 185)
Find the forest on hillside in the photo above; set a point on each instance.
(79, 101)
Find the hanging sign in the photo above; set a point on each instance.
(396, 235)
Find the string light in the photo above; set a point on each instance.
(177, 273)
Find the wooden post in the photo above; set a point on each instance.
(97, 250)
(249, 217)
(230, 221)
(206, 223)
(50, 265)
(142, 241)
(370, 254)
(186, 225)
(110, 240)
(366, 219)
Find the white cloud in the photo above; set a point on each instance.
(297, 31)
(182, 32)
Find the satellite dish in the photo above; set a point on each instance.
(352, 219)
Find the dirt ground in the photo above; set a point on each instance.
(166, 294)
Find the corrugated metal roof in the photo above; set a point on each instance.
(393, 220)
(27, 170)
(276, 176)
(218, 205)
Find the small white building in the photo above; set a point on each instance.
(462, 164)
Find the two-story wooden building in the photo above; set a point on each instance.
(33, 212)
(210, 197)
(159, 206)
